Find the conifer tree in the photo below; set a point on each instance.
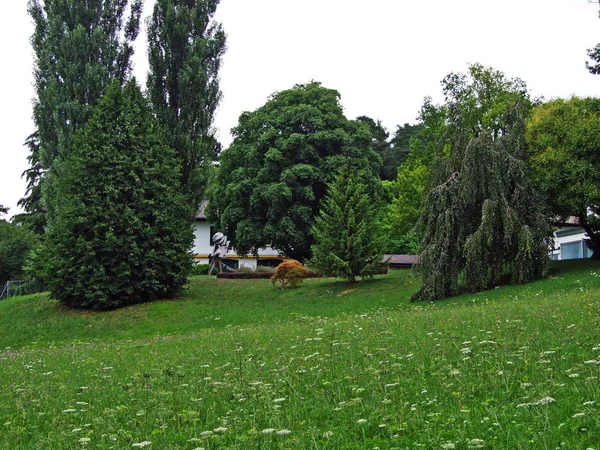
(484, 216)
(118, 226)
(185, 51)
(79, 47)
(347, 239)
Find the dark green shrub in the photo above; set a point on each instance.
(118, 223)
(200, 269)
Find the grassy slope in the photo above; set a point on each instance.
(465, 372)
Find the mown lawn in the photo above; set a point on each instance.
(329, 365)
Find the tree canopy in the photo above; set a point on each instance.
(564, 138)
(118, 229)
(348, 241)
(483, 214)
(79, 47)
(185, 51)
(273, 176)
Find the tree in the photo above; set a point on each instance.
(347, 239)
(402, 214)
(381, 146)
(422, 144)
(275, 173)
(485, 216)
(564, 138)
(79, 47)
(185, 51)
(15, 243)
(594, 54)
(118, 225)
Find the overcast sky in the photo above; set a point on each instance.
(383, 56)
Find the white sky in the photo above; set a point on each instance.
(383, 56)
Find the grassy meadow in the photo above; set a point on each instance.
(244, 365)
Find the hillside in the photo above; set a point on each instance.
(329, 365)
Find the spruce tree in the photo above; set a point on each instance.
(347, 239)
(185, 51)
(79, 47)
(118, 226)
(484, 216)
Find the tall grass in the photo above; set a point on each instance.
(329, 365)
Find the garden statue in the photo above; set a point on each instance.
(221, 245)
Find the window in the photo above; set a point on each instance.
(575, 250)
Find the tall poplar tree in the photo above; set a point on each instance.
(79, 47)
(185, 51)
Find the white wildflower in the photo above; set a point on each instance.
(70, 410)
(206, 433)
(575, 416)
(476, 443)
(361, 421)
(328, 434)
(279, 400)
(283, 432)
(448, 446)
(590, 403)
(84, 440)
(269, 431)
(142, 444)
(220, 430)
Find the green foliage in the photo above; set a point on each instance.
(564, 138)
(118, 225)
(274, 175)
(185, 47)
(199, 269)
(79, 47)
(347, 239)
(484, 215)
(15, 244)
(290, 272)
(402, 214)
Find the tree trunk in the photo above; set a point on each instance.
(593, 237)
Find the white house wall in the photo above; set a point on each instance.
(203, 247)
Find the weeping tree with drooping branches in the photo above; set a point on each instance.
(482, 217)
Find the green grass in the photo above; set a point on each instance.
(339, 366)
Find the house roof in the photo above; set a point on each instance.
(400, 259)
(201, 213)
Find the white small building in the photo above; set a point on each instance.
(203, 246)
(570, 241)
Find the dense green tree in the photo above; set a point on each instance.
(402, 213)
(420, 144)
(185, 51)
(348, 241)
(79, 47)
(483, 216)
(15, 243)
(381, 145)
(118, 225)
(274, 175)
(564, 143)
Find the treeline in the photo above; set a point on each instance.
(115, 176)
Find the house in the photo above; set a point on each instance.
(400, 261)
(569, 241)
(203, 246)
